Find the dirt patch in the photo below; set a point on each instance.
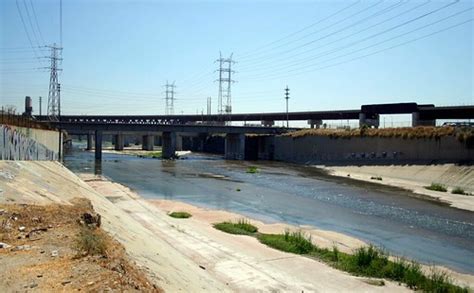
(42, 248)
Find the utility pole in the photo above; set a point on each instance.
(40, 105)
(225, 81)
(169, 98)
(287, 97)
(209, 105)
(54, 96)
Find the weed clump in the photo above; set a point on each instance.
(180, 215)
(437, 187)
(252, 170)
(242, 227)
(459, 190)
(295, 242)
(91, 241)
(367, 261)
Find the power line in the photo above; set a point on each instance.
(320, 30)
(25, 28)
(329, 52)
(375, 52)
(351, 25)
(301, 30)
(304, 60)
(36, 21)
(31, 23)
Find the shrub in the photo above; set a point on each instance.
(365, 255)
(437, 187)
(180, 215)
(458, 190)
(91, 241)
(242, 227)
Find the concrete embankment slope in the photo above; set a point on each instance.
(46, 182)
(416, 178)
(188, 256)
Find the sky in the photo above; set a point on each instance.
(118, 55)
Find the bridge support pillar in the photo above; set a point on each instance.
(158, 141)
(235, 146)
(179, 142)
(373, 120)
(98, 145)
(316, 123)
(90, 141)
(168, 145)
(268, 123)
(416, 121)
(148, 142)
(119, 142)
(198, 142)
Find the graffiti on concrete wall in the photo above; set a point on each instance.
(15, 145)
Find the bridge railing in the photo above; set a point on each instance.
(21, 121)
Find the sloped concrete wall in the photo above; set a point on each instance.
(372, 150)
(19, 143)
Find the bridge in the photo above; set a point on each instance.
(425, 114)
(200, 126)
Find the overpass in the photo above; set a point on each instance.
(202, 125)
(234, 139)
(425, 114)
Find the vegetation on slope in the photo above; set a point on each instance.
(367, 261)
(462, 134)
(242, 227)
(180, 215)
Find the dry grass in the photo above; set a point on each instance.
(52, 250)
(403, 132)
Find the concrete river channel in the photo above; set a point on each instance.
(387, 217)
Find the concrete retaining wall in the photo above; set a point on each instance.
(19, 143)
(371, 150)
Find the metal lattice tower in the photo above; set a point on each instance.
(225, 81)
(54, 96)
(169, 98)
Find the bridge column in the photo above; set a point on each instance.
(416, 121)
(179, 142)
(316, 123)
(89, 141)
(370, 120)
(235, 146)
(268, 123)
(168, 140)
(199, 141)
(158, 141)
(148, 142)
(119, 142)
(98, 145)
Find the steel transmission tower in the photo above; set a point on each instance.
(54, 96)
(225, 81)
(169, 98)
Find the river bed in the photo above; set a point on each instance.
(387, 217)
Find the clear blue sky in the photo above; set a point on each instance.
(119, 54)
